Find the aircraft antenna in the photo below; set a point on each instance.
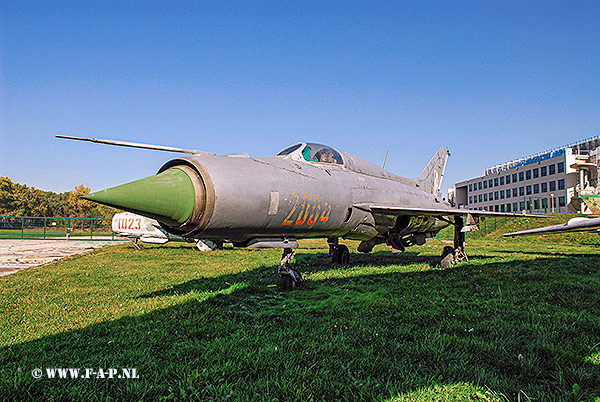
(385, 158)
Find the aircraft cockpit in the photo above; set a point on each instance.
(314, 153)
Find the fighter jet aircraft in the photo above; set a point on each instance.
(581, 224)
(146, 230)
(307, 190)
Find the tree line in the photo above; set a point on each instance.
(21, 200)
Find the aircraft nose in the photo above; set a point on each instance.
(167, 197)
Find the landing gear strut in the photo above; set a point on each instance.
(453, 255)
(290, 277)
(339, 253)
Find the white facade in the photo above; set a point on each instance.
(545, 182)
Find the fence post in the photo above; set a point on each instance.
(45, 219)
(22, 226)
(91, 228)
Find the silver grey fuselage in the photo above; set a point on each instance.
(254, 198)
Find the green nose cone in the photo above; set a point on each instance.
(167, 197)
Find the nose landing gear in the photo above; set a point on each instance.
(290, 277)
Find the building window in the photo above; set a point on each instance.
(502, 194)
(491, 183)
(479, 186)
(502, 181)
(496, 182)
(496, 209)
(544, 171)
(536, 189)
(514, 178)
(521, 176)
(561, 184)
(528, 190)
(521, 205)
(552, 186)
(470, 199)
(480, 197)
(536, 173)
(491, 197)
(515, 192)
(496, 196)
(515, 207)
(508, 208)
(521, 191)
(484, 184)
(562, 202)
(528, 175)
(508, 179)
(552, 169)
(485, 197)
(561, 167)
(470, 188)
(544, 187)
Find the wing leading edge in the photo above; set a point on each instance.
(574, 225)
(404, 210)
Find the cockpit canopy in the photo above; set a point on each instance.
(315, 153)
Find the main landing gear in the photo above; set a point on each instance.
(339, 253)
(456, 254)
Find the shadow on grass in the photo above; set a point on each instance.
(305, 263)
(532, 327)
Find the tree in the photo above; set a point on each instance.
(21, 200)
(6, 196)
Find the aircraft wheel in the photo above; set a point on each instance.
(340, 255)
(291, 279)
(287, 282)
(447, 258)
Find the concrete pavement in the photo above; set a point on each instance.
(16, 255)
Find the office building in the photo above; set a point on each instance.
(548, 181)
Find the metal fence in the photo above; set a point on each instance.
(55, 228)
(488, 225)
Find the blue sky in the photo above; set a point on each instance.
(491, 81)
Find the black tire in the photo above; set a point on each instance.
(447, 257)
(341, 255)
(287, 282)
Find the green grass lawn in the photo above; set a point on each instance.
(520, 322)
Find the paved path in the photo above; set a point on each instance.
(19, 254)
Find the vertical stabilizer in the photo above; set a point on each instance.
(430, 179)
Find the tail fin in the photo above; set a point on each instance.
(430, 179)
